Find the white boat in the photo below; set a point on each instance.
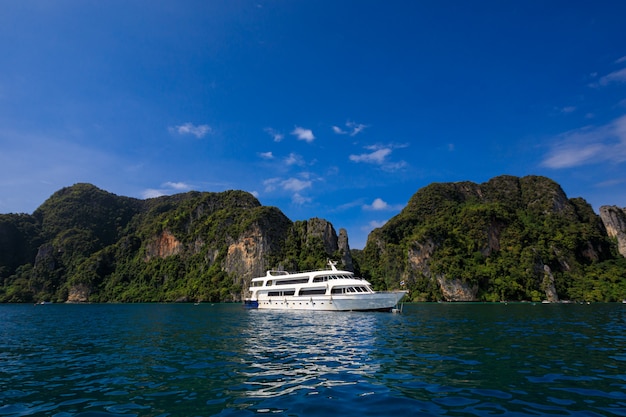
(327, 289)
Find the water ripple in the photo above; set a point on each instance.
(165, 360)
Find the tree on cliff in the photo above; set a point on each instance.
(85, 244)
(507, 239)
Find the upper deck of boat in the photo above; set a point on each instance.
(277, 277)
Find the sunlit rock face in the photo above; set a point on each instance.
(614, 219)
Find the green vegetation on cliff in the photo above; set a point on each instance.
(84, 244)
(508, 239)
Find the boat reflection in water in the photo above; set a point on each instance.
(305, 350)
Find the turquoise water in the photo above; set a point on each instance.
(434, 359)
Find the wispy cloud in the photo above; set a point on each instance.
(380, 205)
(292, 185)
(289, 184)
(303, 134)
(167, 188)
(179, 186)
(294, 159)
(277, 136)
(299, 199)
(589, 145)
(198, 131)
(266, 155)
(614, 77)
(352, 129)
(374, 224)
(295, 184)
(379, 155)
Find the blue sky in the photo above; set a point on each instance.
(333, 109)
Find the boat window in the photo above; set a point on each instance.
(292, 281)
(280, 293)
(320, 279)
(269, 283)
(257, 283)
(313, 291)
(337, 291)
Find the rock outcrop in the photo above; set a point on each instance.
(163, 245)
(614, 219)
(84, 244)
(508, 238)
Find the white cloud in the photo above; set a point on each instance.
(299, 199)
(377, 204)
(356, 128)
(589, 145)
(376, 157)
(294, 184)
(614, 77)
(339, 130)
(198, 131)
(379, 156)
(270, 184)
(303, 134)
(380, 205)
(266, 155)
(290, 184)
(167, 188)
(622, 59)
(180, 186)
(152, 193)
(395, 166)
(277, 136)
(374, 224)
(294, 159)
(353, 129)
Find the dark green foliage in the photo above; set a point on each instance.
(19, 240)
(86, 244)
(498, 237)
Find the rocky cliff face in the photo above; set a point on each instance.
(163, 245)
(85, 244)
(614, 219)
(508, 238)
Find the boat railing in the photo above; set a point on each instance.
(282, 272)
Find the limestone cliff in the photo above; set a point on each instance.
(163, 245)
(614, 219)
(508, 238)
(344, 250)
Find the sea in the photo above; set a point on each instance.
(433, 359)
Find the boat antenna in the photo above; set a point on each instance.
(332, 264)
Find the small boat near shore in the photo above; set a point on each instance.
(325, 289)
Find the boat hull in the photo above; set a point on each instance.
(379, 301)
